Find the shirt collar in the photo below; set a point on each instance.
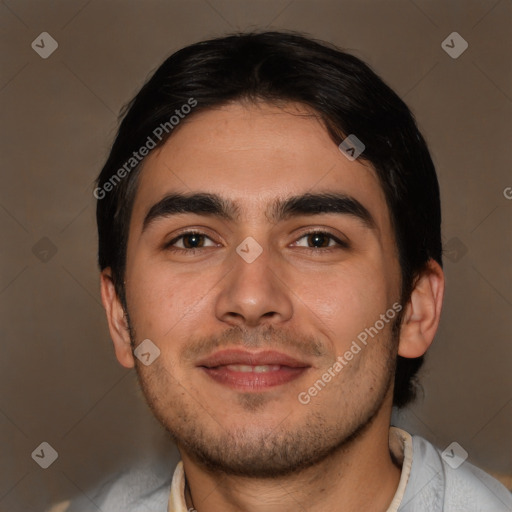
(400, 445)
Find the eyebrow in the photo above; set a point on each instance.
(281, 209)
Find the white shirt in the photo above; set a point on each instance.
(428, 483)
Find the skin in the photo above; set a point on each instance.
(264, 450)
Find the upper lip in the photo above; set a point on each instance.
(244, 357)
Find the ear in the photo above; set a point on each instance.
(422, 313)
(117, 322)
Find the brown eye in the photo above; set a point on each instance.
(193, 240)
(318, 239)
(189, 242)
(321, 240)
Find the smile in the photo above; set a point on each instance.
(247, 371)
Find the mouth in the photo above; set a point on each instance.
(249, 371)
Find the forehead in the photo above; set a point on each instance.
(253, 154)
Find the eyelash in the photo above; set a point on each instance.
(340, 244)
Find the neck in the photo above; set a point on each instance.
(361, 476)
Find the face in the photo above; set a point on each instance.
(252, 299)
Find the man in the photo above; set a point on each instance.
(270, 253)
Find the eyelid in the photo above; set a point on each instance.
(340, 243)
(325, 231)
(182, 234)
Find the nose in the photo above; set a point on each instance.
(254, 293)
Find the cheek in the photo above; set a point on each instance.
(158, 298)
(168, 303)
(345, 301)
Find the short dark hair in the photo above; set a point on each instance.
(274, 67)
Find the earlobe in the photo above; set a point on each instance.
(117, 322)
(422, 312)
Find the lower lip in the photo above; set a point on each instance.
(253, 381)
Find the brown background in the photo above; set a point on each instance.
(59, 379)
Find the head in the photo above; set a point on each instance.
(236, 139)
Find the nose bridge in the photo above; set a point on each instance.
(252, 291)
(252, 263)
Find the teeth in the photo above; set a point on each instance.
(256, 369)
